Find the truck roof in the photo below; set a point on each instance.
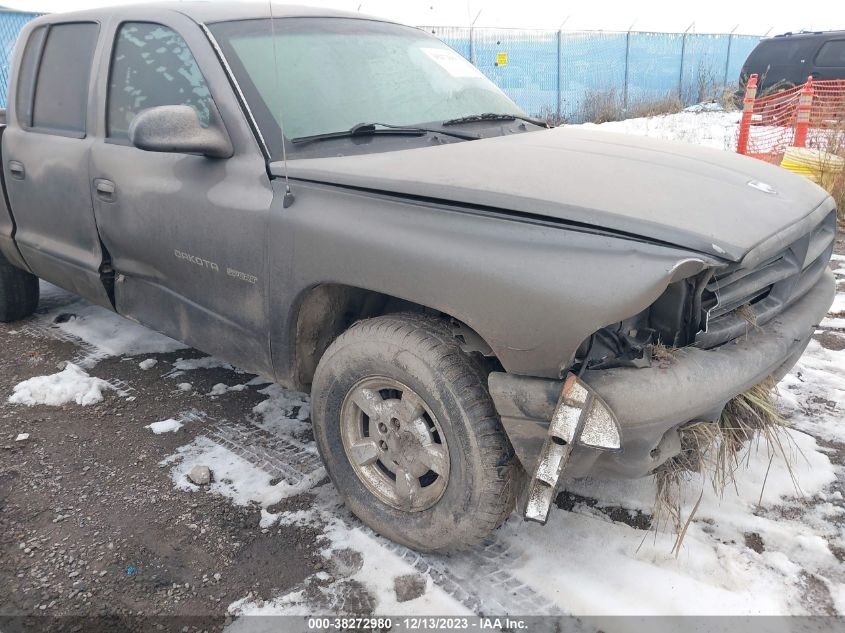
(204, 12)
(800, 35)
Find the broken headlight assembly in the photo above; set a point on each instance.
(581, 417)
(672, 321)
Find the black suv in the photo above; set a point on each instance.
(787, 60)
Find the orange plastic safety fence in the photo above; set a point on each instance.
(806, 115)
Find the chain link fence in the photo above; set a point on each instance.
(561, 74)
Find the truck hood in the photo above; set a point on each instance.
(711, 201)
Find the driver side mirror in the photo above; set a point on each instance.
(176, 128)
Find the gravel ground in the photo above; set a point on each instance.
(89, 522)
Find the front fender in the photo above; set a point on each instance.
(533, 290)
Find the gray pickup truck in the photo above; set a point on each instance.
(345, 205)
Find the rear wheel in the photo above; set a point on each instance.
(18, 292)
(409, 434)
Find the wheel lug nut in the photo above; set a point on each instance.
(382, 445)
(395, 424)
(382, 427)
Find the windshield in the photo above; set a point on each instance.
(334, 73)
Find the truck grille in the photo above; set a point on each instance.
(738, 298)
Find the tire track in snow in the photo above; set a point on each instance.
(87, 354)
(42, 326)
(479, 578)
(278, 456)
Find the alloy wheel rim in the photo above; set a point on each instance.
(395, 444)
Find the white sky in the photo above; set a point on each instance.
(707, 16)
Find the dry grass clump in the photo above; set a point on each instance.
(730, 98)
(838, 193)
(552, 117)
(714, 450)
(662, 354)
(751, 414)
(661, 351)
(828, 136)
(670, 104)
(702, 86)
(603, 106)
(673, 475)
(832, 141)
(747, 312)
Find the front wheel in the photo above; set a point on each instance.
(409, 434)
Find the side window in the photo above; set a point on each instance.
(27, 73)
(152, 66)
(780, 52)
(61, 87)
(832, 53)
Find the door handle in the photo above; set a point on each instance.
(17, 169)
(105, 189)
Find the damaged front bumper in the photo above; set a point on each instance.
(650, 404)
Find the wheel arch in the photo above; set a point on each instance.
(324, 311)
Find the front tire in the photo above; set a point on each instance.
(409, 435)
(18, 292)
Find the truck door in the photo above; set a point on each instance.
(45, 158)
(186, 233)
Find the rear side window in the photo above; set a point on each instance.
(832, 53)
(61, 87)
(27, 74)
(152, 66)
(781, 52)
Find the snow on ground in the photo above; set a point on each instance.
(108, 333)
(206, 362)
(773, 545)
(710, 129)
(165, 426)
(221, 389)
(814, 391)
(714, 565)
(72, 384)
(282, 415)
(283, 411)
(355, 556)
(234, 477)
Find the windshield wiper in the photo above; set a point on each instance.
(371, 129)
(493, 116)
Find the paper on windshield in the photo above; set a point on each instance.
(453, 63)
